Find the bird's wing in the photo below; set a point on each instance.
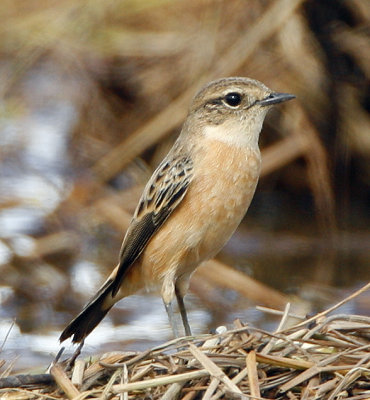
(162, 194)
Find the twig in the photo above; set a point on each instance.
(329, 310)
(25, 380)
(63, 382)
(163, 380)
(253, 375)
(213, 369)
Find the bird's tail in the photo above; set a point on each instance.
(94, 311)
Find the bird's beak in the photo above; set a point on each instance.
(275, 98)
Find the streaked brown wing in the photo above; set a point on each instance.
(162, 194)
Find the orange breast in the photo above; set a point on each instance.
(224, 182)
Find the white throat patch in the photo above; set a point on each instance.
(238, 133)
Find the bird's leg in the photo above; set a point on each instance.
(77, 352)
(171, 318)
(184, 316)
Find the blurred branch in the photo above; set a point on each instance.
(224, 276)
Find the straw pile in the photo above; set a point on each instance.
(325, 357)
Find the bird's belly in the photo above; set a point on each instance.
(199, 227)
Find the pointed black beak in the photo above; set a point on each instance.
(275, 98)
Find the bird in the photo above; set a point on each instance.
(193, 202)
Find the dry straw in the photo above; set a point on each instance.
(324, 357)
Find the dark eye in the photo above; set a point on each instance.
(233, 99)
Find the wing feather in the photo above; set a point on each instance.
(162, 194)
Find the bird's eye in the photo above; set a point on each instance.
(233, 99)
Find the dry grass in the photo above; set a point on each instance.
(325, 357)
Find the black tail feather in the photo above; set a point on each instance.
(89, 317)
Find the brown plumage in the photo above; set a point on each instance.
(193, 202)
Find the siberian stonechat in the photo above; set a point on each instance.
(193, 202)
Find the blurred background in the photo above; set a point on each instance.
(93, 94)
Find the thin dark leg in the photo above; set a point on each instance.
(171, 318)
(184, 316)
(72, 360)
